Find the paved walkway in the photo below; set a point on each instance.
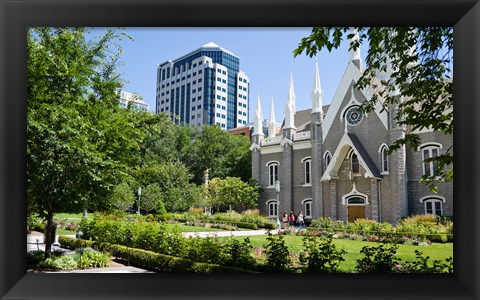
(228, 233)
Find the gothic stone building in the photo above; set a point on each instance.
(331, 160)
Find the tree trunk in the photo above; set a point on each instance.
(48, 240)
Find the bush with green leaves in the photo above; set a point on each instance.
(238, 254)
(278, 259)
(150, 260)
(34, 257)
(207, 250)
(421, 265)
(419, 227)
(89, 258)
(378, 259)
(321, 255)
(64, 262)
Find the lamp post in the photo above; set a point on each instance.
(139, 193)
(277, 189)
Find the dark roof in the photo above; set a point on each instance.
(364, 154)
(302, 118)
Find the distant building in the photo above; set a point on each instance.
(204, 86)
(334, 163)
(133, 98)
(248, 129)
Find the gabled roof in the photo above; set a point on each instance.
(352, 74)
(303, 118)
(351, 141)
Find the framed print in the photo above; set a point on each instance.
(18, 16)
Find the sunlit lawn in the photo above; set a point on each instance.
(436, 251)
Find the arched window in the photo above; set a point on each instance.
(384, 158)
(272, 208)
(355, 163)
(429, 151)
(307, 162)
(356, 200)
(308, 207)
(433, 205)
(327, 158)
(272, 172)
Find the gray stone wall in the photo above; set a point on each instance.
(418, 190)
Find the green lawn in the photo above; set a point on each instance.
(68, 216)
(436, 251)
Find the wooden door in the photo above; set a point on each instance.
(356, 212)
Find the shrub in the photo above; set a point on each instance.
(196, 210)
(238, 254)
(378, 259)
(207, 250)
(277, 254)
(150, 260)
(246, 225)
(93, 259)
(150, 218)
(420, 265)
(321, 255)
(34, 257)
(165, 217)
(65, 262)
(254, 212)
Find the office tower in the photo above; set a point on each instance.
(133, 98)
(204, 86)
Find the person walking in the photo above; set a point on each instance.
(300, 219)
(291, 218)
(285, 220)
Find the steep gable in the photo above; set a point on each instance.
(352, 74)
(350, 141)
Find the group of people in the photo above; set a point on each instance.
(289, 220)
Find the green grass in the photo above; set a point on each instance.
(64, 232)
(68, 216)
(436, 251)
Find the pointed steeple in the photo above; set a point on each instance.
(272, 125)
(257, 119)
(355, 54)
(289, 109)
(317, 93)
(293, 94)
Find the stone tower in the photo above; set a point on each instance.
(316, 136)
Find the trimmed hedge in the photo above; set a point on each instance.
(150, 260)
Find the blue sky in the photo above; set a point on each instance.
(266, 56)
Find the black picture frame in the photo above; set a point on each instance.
(17, 16)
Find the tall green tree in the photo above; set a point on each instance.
(122, 197)
(151, 197)
(222, 153)
(418, 63)
(78, 139)
(232, 192)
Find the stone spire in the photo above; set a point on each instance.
(355, 54)
(290, 108)
(293, 93)
(317, 93)
(272, 125)
(257, 119)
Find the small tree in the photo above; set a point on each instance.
(232, 191)
(277, 254)
(122, 197)
(322, 254)
(151, 197)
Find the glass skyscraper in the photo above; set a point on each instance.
(204, 86)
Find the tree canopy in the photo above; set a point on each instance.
(409, 68)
